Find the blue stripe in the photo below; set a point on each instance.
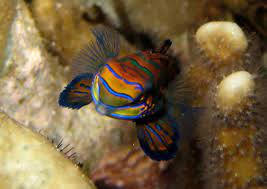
(124, 80)
(120, 107)
(85, 86)
(157, 135)
(117, 107)
(124, 66)
(113, 92)
(155, 64)
(80, 92)
(139, 66)
(150, 138)
(161, 129)
(124, 116)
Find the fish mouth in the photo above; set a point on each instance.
(124, 113)
(100, 109)
(103, 110)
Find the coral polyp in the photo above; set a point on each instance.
(232, 127)
(234, 91)
(222, 41)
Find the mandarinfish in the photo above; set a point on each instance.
(127, 87)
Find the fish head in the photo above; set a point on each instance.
(116, 98)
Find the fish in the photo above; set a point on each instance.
(129, 87)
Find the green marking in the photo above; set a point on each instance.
(110, 99)
(135, 63)
(128, 111)
(155, 64)
(95, 91)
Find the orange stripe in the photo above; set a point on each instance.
(156, 141)
(119, 85)
(129, 72)
(167, 128)
(80, 88)
(150, 144)
(164, 137)
(148, 66)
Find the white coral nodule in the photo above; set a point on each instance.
(222, 41)
(234, 90)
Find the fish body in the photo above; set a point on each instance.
(126, 87)
(129, 87)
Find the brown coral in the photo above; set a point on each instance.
(234, 118)
(128, 168)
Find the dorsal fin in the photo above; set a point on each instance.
(96, 53)
(164, 47)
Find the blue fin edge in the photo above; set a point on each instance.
(162, 156)
(63, 97)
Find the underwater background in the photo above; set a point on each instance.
(220, 47)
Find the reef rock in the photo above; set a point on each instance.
(128, 168)
(6, 17)
(29, 161)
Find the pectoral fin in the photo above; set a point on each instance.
(159, 138)
(77, 93)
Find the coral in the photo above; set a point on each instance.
(163, 25)
(128, 168)
(221, 47)
(6, 16)
(232, 126)
(61, 20)
(29, 161)
(222, 41)
(236, 149)
(133, 14)
(131, 17)
(253, 11)
(58, 21)
(234, 90)
(198, 75)
(237, 4)
(237, 162)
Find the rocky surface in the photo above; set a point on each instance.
(29, 161)
(6, 17)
